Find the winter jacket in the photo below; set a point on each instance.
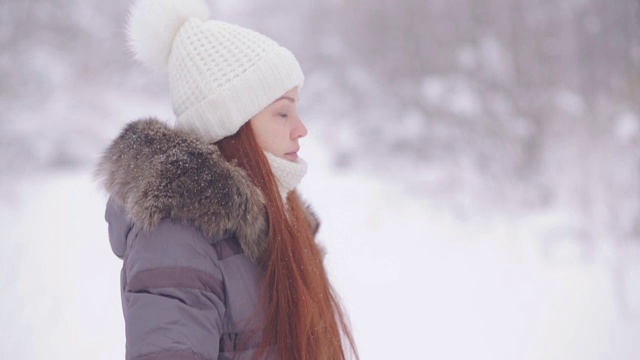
(190, 228)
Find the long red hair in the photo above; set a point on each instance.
(303, 318)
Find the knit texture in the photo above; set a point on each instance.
(287, 173)
(221, 75)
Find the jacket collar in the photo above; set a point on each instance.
(154, 171)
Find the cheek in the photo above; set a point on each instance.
(270, 136)
(276, 141)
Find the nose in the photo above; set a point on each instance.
(299, 130)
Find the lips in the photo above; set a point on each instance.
(292, 154)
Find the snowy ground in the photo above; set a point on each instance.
(418, 283)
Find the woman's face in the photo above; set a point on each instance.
(277, 127)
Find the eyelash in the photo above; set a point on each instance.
(283, 115)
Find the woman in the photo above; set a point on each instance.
(219, 255)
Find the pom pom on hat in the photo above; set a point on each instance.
(153, 25)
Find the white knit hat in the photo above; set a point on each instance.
(220, 74)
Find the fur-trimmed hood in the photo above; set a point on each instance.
(155, 171)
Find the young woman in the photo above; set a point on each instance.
(219, 255)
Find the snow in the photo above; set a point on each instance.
(60, 272)
(418, 282)
(496, 59)
(570, 102)
(433, 90)
(421, 284)
(452, 93)
(466, 57)
(627, 127)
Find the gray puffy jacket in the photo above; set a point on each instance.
(190, 228)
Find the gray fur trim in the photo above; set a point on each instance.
(156, 171)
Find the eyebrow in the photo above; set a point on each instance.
(292, 100)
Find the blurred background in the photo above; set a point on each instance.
(476, 164)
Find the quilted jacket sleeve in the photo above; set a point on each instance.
(173, 294)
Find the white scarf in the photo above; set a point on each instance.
(287, 173)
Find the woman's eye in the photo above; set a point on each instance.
(283, 115)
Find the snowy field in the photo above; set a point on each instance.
(418, 283)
